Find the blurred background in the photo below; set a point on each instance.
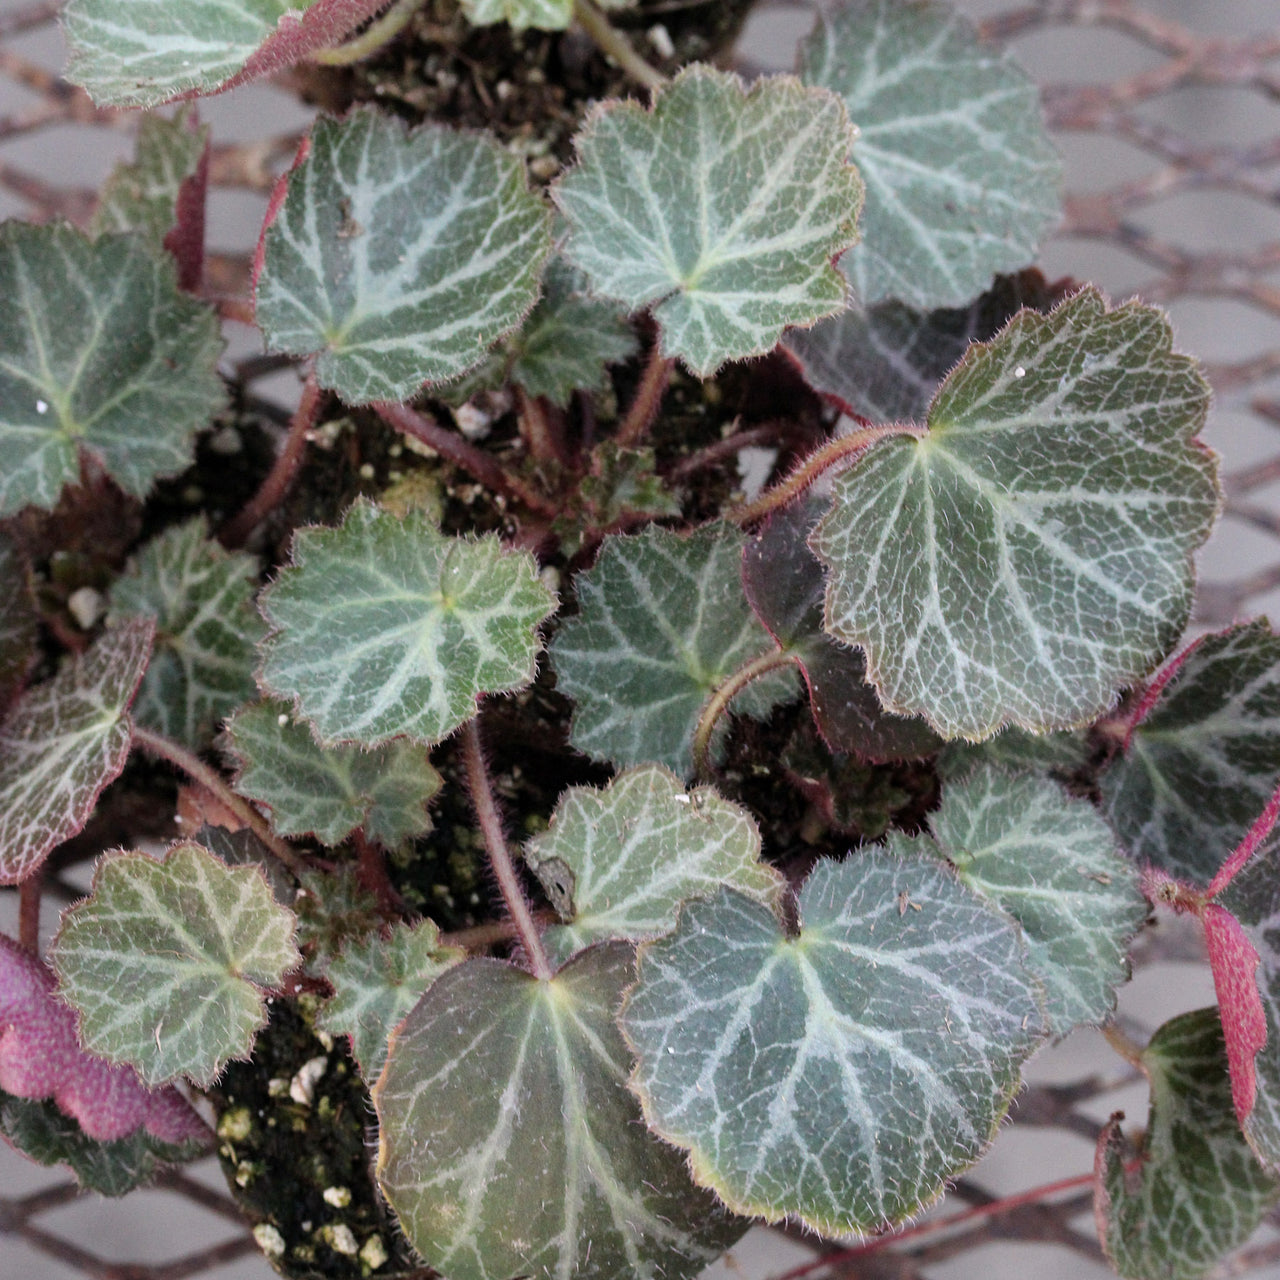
(1167, 113)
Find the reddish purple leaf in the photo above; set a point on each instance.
(1234, 960)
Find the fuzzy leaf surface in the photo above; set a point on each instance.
(961, 178)
(1051, 862)
(330, 791)
(545, 1171)
(167, 960)
(18, 620)
(149, 51)
(662, 621)
(1200, 1190)
(543, 15)
(1016, 750)
(399, 255)
(1203, 760)
(100, 354)
(617, 862)
(376, 981)
(62, 743)
(842, 1077)
(386, 627)
(1032, 551)
(721, 209)
(785, 585)
(207, 630)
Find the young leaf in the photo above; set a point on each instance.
(546, 1171)
(376, 981)
(1203, 755)
(142, 195)
(663, 620)
(18, 620)
(1199, 1191)
(399, 255)
(150, 51)
(386, 627)
(617, 863)
(785, 584)
(41, 1058)
(330, 791)
(1057, 754)
(62, 743)
(100, 354)
(334, 911)
(721, 208)
(166, 961)
(207, 630)
(961, 178)
(842, 1076)
(1031, 552)
(1051, 862)
(543, 15)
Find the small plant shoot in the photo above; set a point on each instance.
(479, 766)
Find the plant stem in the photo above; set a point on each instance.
(478, 464)
(379, 32)
(541, 431)
(765, 434)
(724, 694)
(648, 399)
(371, 872)
(841, 449)
(1128, 1049)
(30, 893)
(279, 480)
(612, 42)
(162, 748)
(499, 856)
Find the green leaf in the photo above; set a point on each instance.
(1199, 1191)
(207, 630)
(1051, 862)
(334, 911)
(962, 181)
(526, 1155)
(376, 981)
(328, 792)
(100, 355)
(785, 584)
(39, 1130)
(1058, 754)
(18, 619)
(62, 743)
(149, 51)
(167, 960)
(1203, 755)
(544, 15)
(839, 1077)
(142, 194)
(662, 621)
(617, 862)
(721, 208)
(1032, 551)
(885, 362)
(399, 255)
(386, 627)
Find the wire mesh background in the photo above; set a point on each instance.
(1168, 116)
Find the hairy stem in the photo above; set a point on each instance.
(379, 32)
(718, 703)
(499, 856)
(762, 435)
(542, 429)
(648, 399)
(1127, 1048)
(611, 41)
(279, 480)
(371, 872)
(162, 748)
(478, 464)
(831, 454)
(30, 892)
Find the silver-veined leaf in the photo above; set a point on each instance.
(386, 627)
(399, 255)
(841, 1076)
(617, 862)
(544, 15)
(961, 178)
(167, 960)
(1031, 552)
(509, 1144)
(100, 354)
(721, 208)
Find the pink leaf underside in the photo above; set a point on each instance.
(40, 1057)
(186, 237)
(1234, 961)
(298, 35)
